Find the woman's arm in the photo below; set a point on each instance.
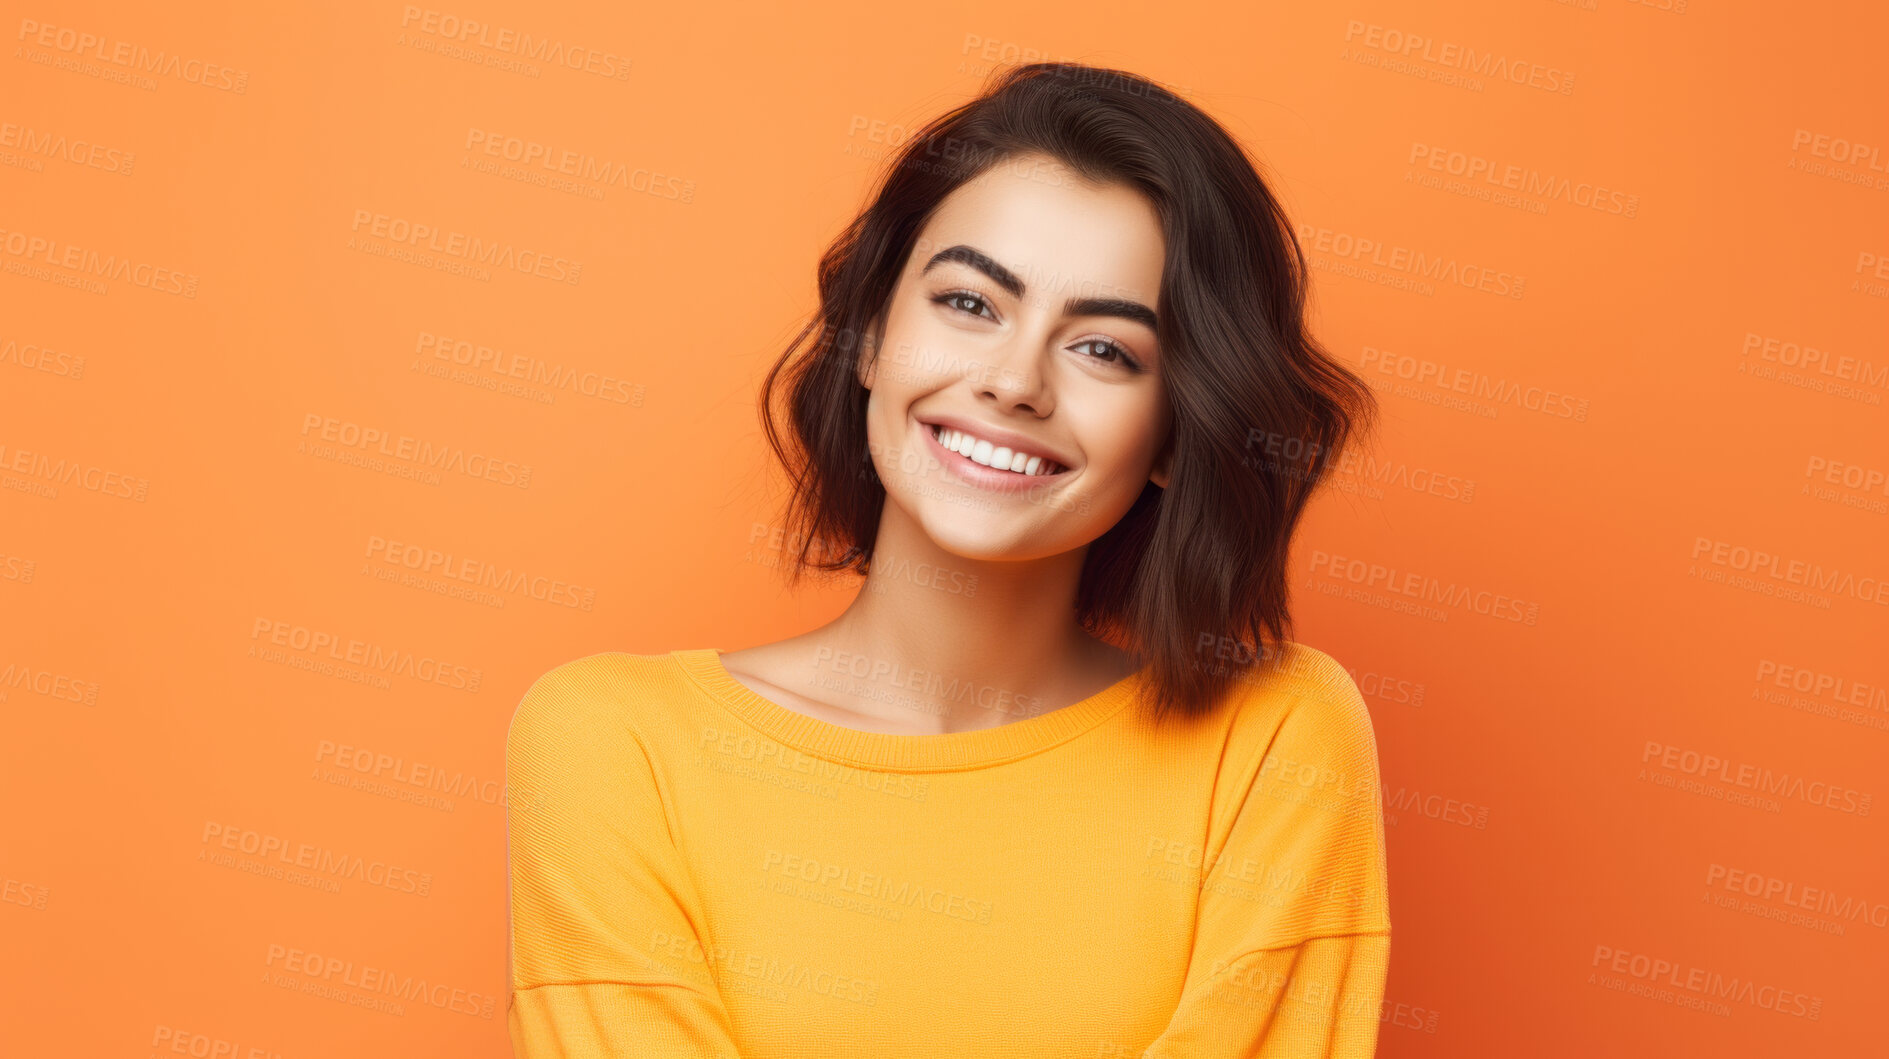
(605, 959)
(1319, 999)
(1292, 941)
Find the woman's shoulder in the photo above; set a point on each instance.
(1292, 671)
(603, 672)
(605, 664)
(1303, 698)
(595, 692)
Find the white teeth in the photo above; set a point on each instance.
(989, 455)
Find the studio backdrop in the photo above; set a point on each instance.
(360, 363)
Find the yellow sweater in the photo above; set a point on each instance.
(696, 871)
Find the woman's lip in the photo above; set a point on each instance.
(987, 477)
(998, 437)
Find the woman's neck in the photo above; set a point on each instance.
(1008, 628)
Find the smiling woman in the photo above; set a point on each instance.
(1018, 364)
(1057, 781)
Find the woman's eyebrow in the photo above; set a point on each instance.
(1003, 277)
(1121, 307)
(980, 261)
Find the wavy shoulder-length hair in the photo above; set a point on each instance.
(1192, 581)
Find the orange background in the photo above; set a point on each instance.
(170, 512)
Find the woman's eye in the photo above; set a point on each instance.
(966, 302)
(1110, 352)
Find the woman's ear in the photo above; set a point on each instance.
(866, 365)
(1164, 460)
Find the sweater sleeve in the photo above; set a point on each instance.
(1292, 933)
(605, 958)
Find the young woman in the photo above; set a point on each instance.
(1057, 782)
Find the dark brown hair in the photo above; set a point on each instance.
(1259, 409)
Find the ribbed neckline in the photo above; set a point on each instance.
(904, 753)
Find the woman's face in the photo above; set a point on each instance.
(1022, 323)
